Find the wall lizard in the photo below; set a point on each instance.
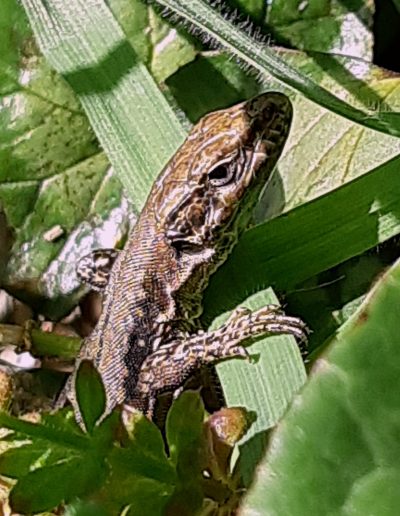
(147, 339)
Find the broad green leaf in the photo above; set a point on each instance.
(146, 437)
(184, 430)
(137, 495)
(132, 468)
(12, 16)
(134, 464)
(125, 108)
(53, 173)
(341, 432)
(17, 462)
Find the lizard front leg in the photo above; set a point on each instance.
(169, 367)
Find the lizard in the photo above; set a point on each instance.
(147, 339)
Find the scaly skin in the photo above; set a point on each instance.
(145, 341)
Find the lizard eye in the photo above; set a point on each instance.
(222, 173)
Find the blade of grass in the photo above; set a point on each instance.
(262, 58)
(277, 373)
(310, 239)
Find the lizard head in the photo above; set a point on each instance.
(214, 180)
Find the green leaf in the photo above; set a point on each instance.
(17, 462)
(90, 394)
(184, 431)
(45, 488)
(23, 458)
(58, 464)
(146, 436)
(328, 26)
(137, 478)
(141, 474)
(397, 5)
(146, 451)
(53, 430)
(53, 173)
(51, 443)
(84, 508)
(342, 431)
(101, 66)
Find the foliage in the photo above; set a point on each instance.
(112, 466)
(115, 83)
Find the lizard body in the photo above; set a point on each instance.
(146, 340)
